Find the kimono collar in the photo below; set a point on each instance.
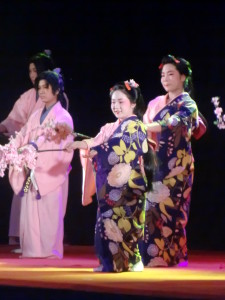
(45, 112)
(132, 116)
(167, 97)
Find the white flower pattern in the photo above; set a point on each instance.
(112, 231)
(157, 262)
(160, 192)
(113, 247)
(119, 175)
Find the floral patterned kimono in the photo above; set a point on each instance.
(121, 190)
(167, 206)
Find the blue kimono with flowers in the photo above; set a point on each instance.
(120, 188)
(167, 206)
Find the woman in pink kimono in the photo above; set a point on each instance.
(170, 120)
(43, 203)
(27, 104)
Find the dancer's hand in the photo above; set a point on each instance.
(76, 145)
(70, 146)
(91, 154)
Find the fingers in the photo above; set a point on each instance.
(70, 147)
(91, 154)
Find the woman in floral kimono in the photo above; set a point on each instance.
(44, 192)
(122, 159)
(170, 121)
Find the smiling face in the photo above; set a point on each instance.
(46, 93)
(32, 72)
(172, 81)
(121, 105)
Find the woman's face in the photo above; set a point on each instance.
(32, 72)
(121, 106)
(171, 79)
(46, 94)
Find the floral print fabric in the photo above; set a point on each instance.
(167, 206)
(121, 190)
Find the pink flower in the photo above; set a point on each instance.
(218, 111)
(17, 158)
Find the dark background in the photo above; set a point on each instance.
(98, 43)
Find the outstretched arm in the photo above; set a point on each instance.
(76, 145)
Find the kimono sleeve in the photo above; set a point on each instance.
(20, 112)
(104, 134)
(126, 146)
(187, 111)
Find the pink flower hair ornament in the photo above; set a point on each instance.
(131, 84)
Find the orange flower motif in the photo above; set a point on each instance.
(127, 85)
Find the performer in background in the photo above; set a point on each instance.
(171, 120)
(124, 164)
(28, 103)
(43, 201)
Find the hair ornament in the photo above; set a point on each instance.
(131, 84)
(160, 66)
(189, 69)
(174, 58)
(126, 83)
(48, 52)
(57, 71)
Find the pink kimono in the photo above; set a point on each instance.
(22, 110)
(17, 118)
(41, 221)
(88, 182)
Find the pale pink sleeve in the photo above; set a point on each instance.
(146, 118)
(98, 139)
(88, 177)
(154, 106)
(104, 134)
(16, 179)
(19, 114)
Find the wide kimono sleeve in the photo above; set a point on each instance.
(22, 138)
(20, 112)
(186, 114)
(154, 106)
(88, 179)
(118, 159)
(52, 166)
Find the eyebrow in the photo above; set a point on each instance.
(117, 99)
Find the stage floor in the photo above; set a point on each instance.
(204, 278)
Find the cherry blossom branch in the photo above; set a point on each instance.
(220, 118)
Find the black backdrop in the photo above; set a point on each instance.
(97, 43)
